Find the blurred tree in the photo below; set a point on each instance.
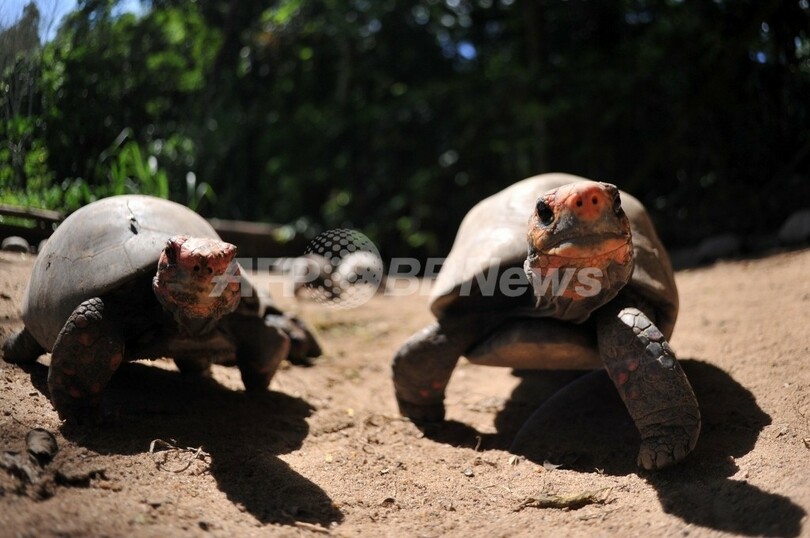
(105, 74)
(18, 75)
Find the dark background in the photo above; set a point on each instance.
(396, 117)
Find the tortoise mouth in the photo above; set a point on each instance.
(587, 247)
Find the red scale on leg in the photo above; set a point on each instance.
(86, 338)
(86, 353)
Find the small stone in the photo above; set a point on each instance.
(719, 246)
(14, 243)
(796, 228)
(41, 444)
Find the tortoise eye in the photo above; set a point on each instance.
(171, 253)
(544, 212)
(617, 204)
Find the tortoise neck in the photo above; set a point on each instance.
(572, 293)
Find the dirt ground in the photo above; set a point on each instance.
(325, 452)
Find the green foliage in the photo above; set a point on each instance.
(25, 178)
(131, 172)
(137, 73)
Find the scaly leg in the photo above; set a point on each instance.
(87, 352)
(651, 383)
(423, 365)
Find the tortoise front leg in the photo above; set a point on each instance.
(651, 383)
(423, 365)
(87, 352)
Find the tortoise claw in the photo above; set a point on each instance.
(667, 447)
(658, 455)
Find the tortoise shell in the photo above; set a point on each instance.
(96, 250)
(493, 235)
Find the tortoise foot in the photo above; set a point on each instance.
(669, 446)
(421, 414)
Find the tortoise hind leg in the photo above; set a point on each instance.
(651, 383)
(22, 348)
(87, 352)
(304, 347)
(260, 348)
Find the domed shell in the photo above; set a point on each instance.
(493, 235)
(97, 249)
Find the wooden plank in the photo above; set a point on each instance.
(45, 215)
(258, 239)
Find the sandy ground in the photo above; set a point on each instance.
(325, 452)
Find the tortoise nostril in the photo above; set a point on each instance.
(595, 200)
(196, 268)
(210, 271)
(579, 202)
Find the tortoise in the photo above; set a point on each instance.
(137, 277)
(585, 285)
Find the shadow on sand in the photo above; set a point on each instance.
(242, 432)
(586, 427)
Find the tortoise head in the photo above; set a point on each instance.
(580, 249)
(197, 281)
